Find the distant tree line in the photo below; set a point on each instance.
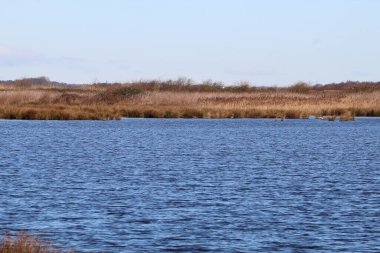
(185, 84)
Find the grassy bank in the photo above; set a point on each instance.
(24, 99)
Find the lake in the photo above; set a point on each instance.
(176, 185)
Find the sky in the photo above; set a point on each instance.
(264, 42)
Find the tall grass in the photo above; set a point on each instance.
(23, 243)
(347, 116)
(182, 98)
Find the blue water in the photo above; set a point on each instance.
(154, 185)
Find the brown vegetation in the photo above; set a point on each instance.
(347, 116)
(25, 99)
(23, 243)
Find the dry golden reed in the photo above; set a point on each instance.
(183, 99)
(23, 243)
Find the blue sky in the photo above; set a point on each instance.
(265, 42)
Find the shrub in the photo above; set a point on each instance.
(300, 87)
(67, 98)
(117, 93)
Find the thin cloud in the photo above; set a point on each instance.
(360, 73)
(120, 64)
(11, 57)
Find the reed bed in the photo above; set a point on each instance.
(23, 243)
(181, 99)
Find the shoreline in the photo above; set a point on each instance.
(130, 118)
(175, 99)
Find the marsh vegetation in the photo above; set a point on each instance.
(24, 243)
(38, 98)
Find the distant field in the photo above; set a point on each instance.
(42, 99)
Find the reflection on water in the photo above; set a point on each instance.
(150, 185)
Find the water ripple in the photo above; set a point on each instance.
(151, 185)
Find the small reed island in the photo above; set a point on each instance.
(42, 99)
(24, 243)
